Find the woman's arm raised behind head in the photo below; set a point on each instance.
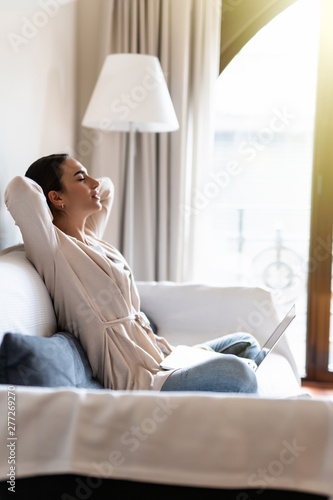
(27, 205)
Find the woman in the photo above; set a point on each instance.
(62, 213)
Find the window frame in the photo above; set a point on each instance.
(320, 258)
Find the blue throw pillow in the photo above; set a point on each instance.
(57, 361)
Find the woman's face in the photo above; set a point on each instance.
(80, 191)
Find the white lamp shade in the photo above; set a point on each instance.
(131, 94)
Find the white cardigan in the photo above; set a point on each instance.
(94, 296)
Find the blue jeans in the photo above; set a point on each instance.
(226, 374)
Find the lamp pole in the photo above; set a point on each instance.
(129, 204)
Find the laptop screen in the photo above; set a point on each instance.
(273, 339)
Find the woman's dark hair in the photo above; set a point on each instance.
(47, 172)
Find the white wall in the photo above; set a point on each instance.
(94, 149)
(37, 88)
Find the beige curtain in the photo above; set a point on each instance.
(184, 35)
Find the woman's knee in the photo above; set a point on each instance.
(227, 373)
(241, 376)
(252, 346)
(248, 337)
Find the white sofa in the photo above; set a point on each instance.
(87, 442)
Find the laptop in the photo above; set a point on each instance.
(183, 356)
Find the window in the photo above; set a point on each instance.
(252, 207)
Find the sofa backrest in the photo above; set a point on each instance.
(25, 304)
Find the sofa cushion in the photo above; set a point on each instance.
(56, 361)
(25, 304)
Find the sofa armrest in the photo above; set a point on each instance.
(195, 439)
(190, 313)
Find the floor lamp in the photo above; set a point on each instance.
(131, 95)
